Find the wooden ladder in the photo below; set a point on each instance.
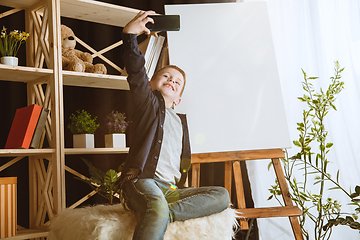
(232, 164)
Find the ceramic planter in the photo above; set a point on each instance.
(8, 60)
(115, 140)
(83, 141)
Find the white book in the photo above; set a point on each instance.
(150, 59)
(149, 48)
(157, 50)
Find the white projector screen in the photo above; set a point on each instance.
(232, 97)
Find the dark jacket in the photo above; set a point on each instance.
(147, 113)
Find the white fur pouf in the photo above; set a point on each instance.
(110, 222)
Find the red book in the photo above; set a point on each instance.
(23, 127)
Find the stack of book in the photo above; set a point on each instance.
(27, 127)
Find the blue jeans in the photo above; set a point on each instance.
(158, 204)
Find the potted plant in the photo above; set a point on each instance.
(83, 127)
(10, 44)
(116, 125)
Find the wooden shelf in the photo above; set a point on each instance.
(29, 234)
(101, 12)
(25, 152)
(22, 4)
(40, 75)
(73, 151)
(23, 74)
(68, 151)
(95, 11)
(95, 80)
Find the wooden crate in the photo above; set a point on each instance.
(8, 214)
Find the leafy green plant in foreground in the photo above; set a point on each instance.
(105, 183)
(324, 212)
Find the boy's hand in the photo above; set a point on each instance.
(137, 24)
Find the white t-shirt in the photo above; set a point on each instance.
(168, 167)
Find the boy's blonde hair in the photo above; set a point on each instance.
(176, 68)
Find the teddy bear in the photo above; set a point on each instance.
(76, 60)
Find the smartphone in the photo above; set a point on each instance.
(164, 23)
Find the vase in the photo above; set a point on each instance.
(115, 140)
(9, 60)
(83, 141)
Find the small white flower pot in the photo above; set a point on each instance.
(115, 140)
(83, 141)
(8, 60)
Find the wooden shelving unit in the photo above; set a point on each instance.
(43, 20)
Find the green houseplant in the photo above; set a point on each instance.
(104, 183)
(321, 210)
(10, 45)
(83, 127)
(116, 124)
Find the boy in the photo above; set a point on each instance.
(159, 156)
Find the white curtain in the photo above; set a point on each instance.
(312, 35)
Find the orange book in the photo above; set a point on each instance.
(23, 127)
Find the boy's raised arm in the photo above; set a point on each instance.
(134, 60)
